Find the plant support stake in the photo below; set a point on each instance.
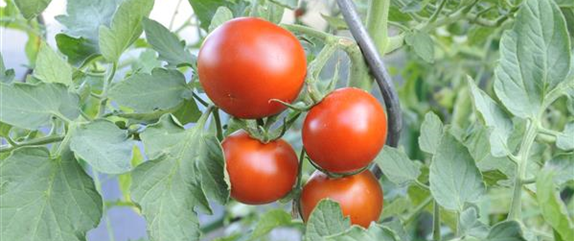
(379, 72)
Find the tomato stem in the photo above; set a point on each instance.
(436, 222)
(218, 124)
(377, 23)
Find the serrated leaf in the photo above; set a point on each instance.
(222, 15)
(161, 90)
(104, 146)
(51, 68)
(565, 140)
(166, 43)
(188, 112)
(374, 233)
(84, 17)
(205, 10)
(422, 44)
(31, 106)
(31, 8)
(551, 205)
(471, 225)
(76, 49)
(454, 178)
(125, 28)
(397, 166)
(563, 165)
(49, 200)
(534, 58)
(269, 221)
(326, 219)
(499, 123)
(146, 62)
(506, 231)
(431, 130)
(187, 166)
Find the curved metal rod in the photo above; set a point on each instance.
(379, 71)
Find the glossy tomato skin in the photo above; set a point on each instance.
(259, 173)
(345, 131)
(246, 62)
(360, 196)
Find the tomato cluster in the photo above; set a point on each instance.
(247, 63)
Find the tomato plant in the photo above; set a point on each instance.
(286, 119)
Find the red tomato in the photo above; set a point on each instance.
(259, 173)
(360, 196)
(246, 62)
(345, 131)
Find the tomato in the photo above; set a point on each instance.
(345, 131)
(360, 196)
(246, 62)
(259, 173)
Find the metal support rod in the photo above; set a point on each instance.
(379, 72)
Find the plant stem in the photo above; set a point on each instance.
(377, 23)
(436, 222)
(34, 142)
(522, 164)
(218, 124)
(107, 82)
(410, 217)
(175, 12)
(437, 11)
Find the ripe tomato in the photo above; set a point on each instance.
(259, 173)
(360, 196)
(345, 131)
(246, 62)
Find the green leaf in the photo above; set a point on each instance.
(51, 68)
(563, 166)
(269, 221)
(551, 205)
(221, 16)
(565, 140)
(471, 225)
(166, 43)
(146, 62)
(326, 219)
(162, 89)
(76, 49)
(290, 4)
(498, 122)
(422, 44)
(397, 166)
(51, 199)
(271, 12)
(188, 112)
(396, 207)
(31, 106)
(31, 8)
(104, 146)
(506, 231)
(431, 130)
(206, 9)
(565, 3)
(534, 58)
(374, 233)
(6, 76)
(187, 166)
(414, 6)
(125, 28)
(454, 178)
(84, 17)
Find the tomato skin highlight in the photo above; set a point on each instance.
(345, 131)
(360, 196)
(259, 173)
(246, 62)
